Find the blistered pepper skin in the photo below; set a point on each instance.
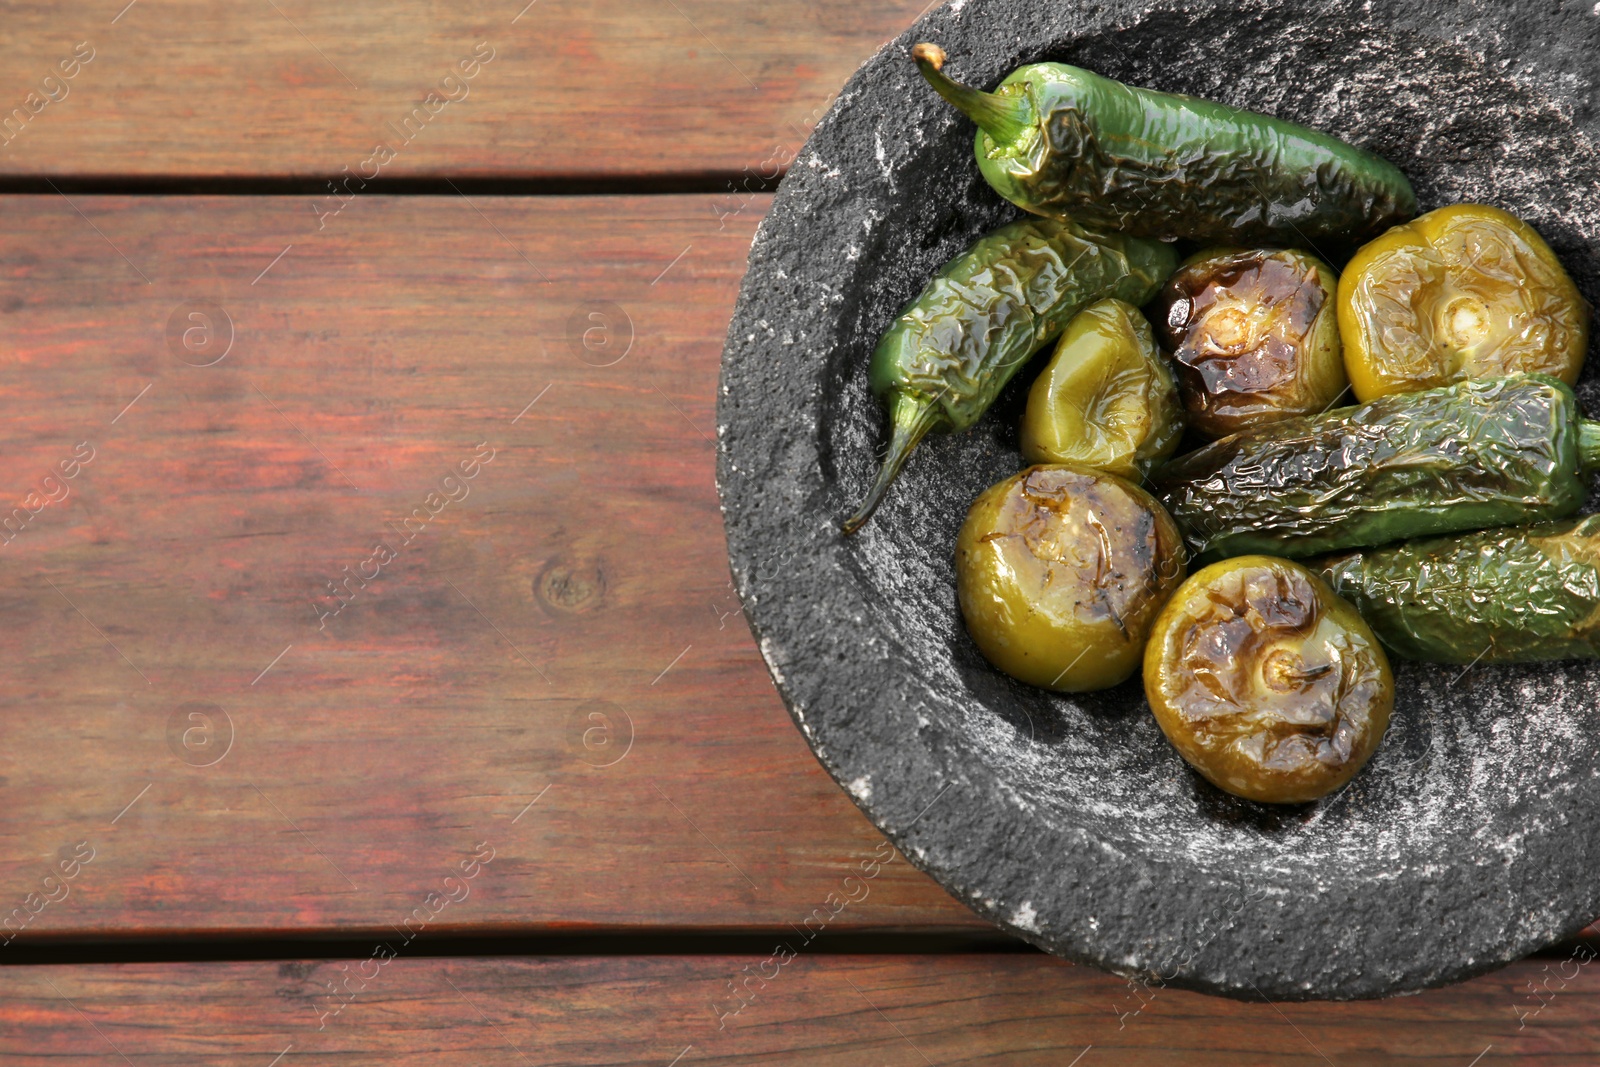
(946, 357)
(1107, 398)
(1061, 141)
(1467, 291)
(1266, 682)
(1060, 572)
(1463, 457)
(1254, 334)
(1520, 595)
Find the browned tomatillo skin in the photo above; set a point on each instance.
(1060, 571)
(1254, 335)
(1266, 682)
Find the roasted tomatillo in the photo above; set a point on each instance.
(1266, 682)
(1106, 399)
(1255, 336)
(1463, 292)
(1061, 570)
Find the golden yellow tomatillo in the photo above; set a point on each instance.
(1255, 337)
(1106, 399)
(1467, 291)
(1061, 570)
(1266, 681)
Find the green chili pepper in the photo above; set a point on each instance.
(1496, 596)
(955, 346)
(1487, 452)
(1059, 140)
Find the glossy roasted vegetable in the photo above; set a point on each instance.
(1106, 399)
(1057, 140)
(1463, 292)
(1255, 336)
(1266, 682)
(1060, 572)
(1463, 457)
(948, 354)
(1496, 596)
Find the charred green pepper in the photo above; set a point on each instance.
(1266, 682)
(1106, 399)
(949, 353)
(1495, 596)
(1479, 453)
(1058, 140)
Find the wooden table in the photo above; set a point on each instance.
(377, 693)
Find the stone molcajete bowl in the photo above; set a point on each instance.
(1472, 837)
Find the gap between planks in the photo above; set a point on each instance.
(620, 941)
(665, 184)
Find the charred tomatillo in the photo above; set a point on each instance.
(1255, 336)
(1061, 570)
(1266, 682)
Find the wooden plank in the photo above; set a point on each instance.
(546, 656)
(559, 89)
(815, 1010)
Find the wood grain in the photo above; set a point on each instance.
(816, 1011)
(583, 572)
(544, 712)
(574, 89)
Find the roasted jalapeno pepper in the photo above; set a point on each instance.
(1060, 571)
(1106, 399)
(1266, 682)
(948, 354)
(1255, 336)
(1495, 596)
(1496, 452)
(1463, 292)
(1060, 141)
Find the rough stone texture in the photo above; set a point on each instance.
(1473, 836)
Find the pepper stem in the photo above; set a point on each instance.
(1588, 444)
(912, 419)
(1006, 119)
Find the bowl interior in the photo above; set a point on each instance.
(1462, 742)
